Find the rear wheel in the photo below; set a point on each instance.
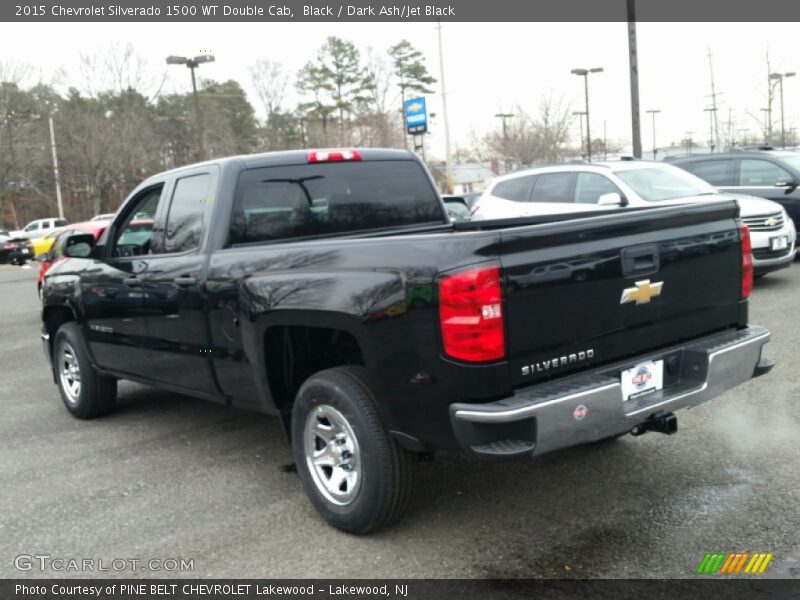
(85, 392)
(357, 477)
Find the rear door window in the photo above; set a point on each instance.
(553, 187)
(274, 203)
(517, 189)
(715, 172)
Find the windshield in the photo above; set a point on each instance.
(664, 183)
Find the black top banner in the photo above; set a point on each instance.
(398, 11)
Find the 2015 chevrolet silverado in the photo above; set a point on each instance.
(330, 288)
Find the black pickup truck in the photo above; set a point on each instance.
(331, 289)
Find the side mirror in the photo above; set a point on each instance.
(457, 208)
(612, 199)
(79, 245)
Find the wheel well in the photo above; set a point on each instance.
(295, 353)
(55, 317)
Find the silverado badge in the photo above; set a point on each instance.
(642, 293)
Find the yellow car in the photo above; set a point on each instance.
(42, 245)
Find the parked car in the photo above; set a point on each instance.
(16, 251)
(41, 245)
(55, 253)
(38, 228)
(770, 174)
(329, 288)
(599, 186)
(103, 217)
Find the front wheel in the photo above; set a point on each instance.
(357, 477)
(85, 392)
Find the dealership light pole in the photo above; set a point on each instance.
(780, 77)
(579, 114)
(653, 112)
(585, 74)
(192, 64)
(504, 117)
(767, 125)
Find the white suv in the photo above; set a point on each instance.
(600, 186)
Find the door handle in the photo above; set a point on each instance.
(185, 281)
(132, 281)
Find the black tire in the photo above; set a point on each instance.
(95, 394)
(384, 469)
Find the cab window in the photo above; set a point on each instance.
(715, 172)
(134, 235)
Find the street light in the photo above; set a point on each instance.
(585, 74)
(192, 64)
(580, 114)
(504, 117)
(779, 77)
(654, 112)
(767, 125)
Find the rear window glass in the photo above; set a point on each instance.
(274, 203)
(715, 172)
(517, 189)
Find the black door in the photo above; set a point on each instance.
(112, 290)
(767, 179)
(174, 296)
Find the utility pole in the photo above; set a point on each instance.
(636, 132)
(767, 124)
(715, 132)
(712, 113)
(779, 77)
(55, 168)
(448, 163)
(689, 142)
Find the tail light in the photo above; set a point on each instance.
(747, 261)
(318, 156)
(474, 209)
(471, 315)
(9, 246)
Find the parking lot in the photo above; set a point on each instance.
(167, 476)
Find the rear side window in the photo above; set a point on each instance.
(60, 222)
(755, 172)
(553, 187)
(715, 172)
(517, 189)
(590, 186)
(273, 203)
(185, 218)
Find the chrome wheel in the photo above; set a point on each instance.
(332, 455)
(69, 373)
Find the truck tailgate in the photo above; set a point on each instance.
(589, 291)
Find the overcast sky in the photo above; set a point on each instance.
(488, 66)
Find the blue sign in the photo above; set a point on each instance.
(416, 115)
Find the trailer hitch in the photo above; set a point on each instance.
(662, 422)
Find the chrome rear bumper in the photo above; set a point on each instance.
(589, 406)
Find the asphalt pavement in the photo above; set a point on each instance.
(169, 477)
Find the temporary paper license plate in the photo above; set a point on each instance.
(779, 243)
(644, 378)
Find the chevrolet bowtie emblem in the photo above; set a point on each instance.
(771, 222)
(642, 293)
